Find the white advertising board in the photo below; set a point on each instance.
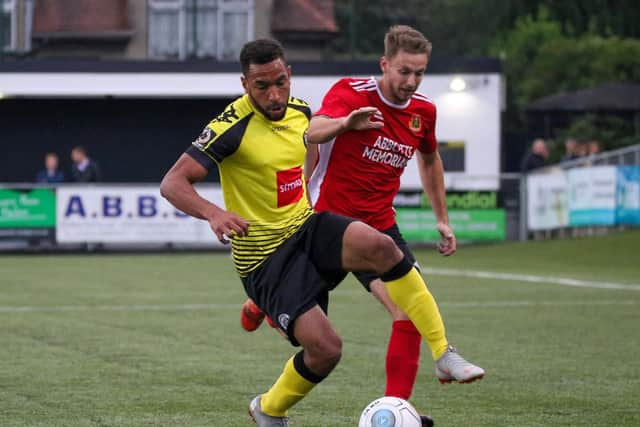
(128, 214)
(547, 204)
(592, 196)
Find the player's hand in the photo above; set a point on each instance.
(447, 244)
(360, 119)
(227, 225)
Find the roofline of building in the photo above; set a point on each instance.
(481, 65)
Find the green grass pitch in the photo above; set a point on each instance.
(155, 340)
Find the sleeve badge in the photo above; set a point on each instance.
(207, 135)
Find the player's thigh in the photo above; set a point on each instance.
(366, 249)
(371, 280)
(286, 286)
(367, 277)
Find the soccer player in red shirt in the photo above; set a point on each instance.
(367, 130)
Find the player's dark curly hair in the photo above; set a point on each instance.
(261, 51)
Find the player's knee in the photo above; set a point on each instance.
(328, 351)
(332, 350)
(384, 252)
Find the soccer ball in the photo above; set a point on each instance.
(389, 412)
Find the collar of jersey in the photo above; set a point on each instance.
(386, 101)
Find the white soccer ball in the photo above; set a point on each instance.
(389, 412)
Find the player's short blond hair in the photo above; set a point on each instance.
(403, 37)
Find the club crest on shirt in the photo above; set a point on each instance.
(415, 124)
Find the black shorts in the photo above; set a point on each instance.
(366, 277)
(301, 272)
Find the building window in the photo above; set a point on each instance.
(179, 29)
(16, 22)
(8, 25)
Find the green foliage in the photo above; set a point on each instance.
(467, 27)
(566, 64)
(611, 131)
(541, 56)
(540, 59)
(519, 48)
(364, 23)
(547, 46)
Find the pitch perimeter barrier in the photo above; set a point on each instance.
(128, 216)
(584, 195)
(79, 217)
(136, 217)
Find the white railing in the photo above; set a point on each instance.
(585, 196)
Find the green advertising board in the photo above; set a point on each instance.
(418, 225)
(32, 208)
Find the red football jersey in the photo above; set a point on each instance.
(358, 173)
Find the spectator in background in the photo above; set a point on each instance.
(593, 148)
(582, 149)
(51, 174)
(537, 157)
(570, 150)
(84, 169)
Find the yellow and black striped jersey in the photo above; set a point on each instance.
(261, 173)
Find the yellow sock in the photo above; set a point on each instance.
(410, 293)
(286, 392)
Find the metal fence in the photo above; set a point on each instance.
(627, 156)
(623, 156)
(37, 217)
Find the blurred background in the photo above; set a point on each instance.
(531, 97)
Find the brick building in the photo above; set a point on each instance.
(162, 29)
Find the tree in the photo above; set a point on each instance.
(539, 59)
(467, 27)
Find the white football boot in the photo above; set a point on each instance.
(262, 419)
(453, 367)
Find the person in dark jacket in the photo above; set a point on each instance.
(51, 174)
(84, 169)
(537, 157)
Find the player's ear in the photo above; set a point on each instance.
(383, 64)
(245, 83)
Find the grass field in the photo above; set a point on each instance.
(155, 340)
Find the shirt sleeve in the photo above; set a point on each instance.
(429, 143)
(221, 137)
(338, 102)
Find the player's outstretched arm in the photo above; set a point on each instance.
(177, 187)
(323, 129)
(432, 177)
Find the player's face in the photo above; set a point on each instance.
(268, 87)
(402, 75)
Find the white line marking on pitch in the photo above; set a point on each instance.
(137, 307)
(525, 303)
(564, 281)
(195, 307)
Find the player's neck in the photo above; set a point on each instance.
(385, 92)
